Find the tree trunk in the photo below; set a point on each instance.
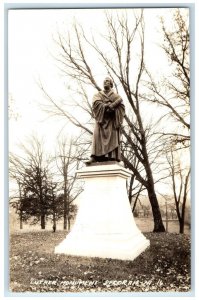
(134, 204)
(158, 224)
(54, 222)
(181, 222)
(130, 188)
(149, 184)
(43, 221)
(20, 214)
(21, 220)
(65, 217)
(68, 224)
(65, 203)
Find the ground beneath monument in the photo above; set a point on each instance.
(165, 266)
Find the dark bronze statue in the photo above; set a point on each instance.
(108, 110)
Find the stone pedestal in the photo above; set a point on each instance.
(104, 225)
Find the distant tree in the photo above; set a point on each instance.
(37, 193)
(47, 186)
(55, 204)
(18, 202)
(180, 177)
(31, 172)
(68, 162)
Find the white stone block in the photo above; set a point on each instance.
(104, 225)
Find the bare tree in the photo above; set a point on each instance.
(68, 162)
(180, 177)
(31, 170)
(55, 204)
(173, 93)
(17, 200)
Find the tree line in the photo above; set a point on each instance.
(46, 185)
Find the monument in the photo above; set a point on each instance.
(104, 225)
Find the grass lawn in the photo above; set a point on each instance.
(164, 266)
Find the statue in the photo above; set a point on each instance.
(109, 111)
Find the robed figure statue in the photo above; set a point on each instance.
(108, 111)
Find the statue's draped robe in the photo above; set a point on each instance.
(106, 136)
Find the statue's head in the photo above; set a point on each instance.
(108, 82)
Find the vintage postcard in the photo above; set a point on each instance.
(99, 150)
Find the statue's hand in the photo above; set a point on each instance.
(106, 105)
(111, 106)
(109, 109)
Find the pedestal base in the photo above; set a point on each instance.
(104, 225)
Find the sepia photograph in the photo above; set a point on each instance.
(99, 151)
